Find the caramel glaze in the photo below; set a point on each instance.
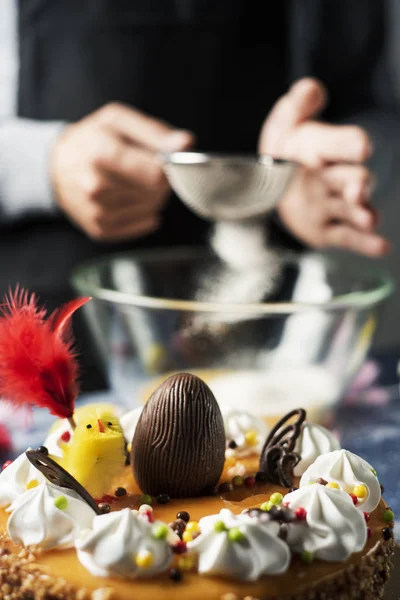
(299, 578)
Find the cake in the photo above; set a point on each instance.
(178, 499)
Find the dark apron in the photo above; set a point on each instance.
(214, 67)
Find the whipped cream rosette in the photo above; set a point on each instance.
(245, 433)
(331, 528)
(313, 441)
(125, 543)
(48, 516)
(16, 479)
(347, 472)
(239, 547)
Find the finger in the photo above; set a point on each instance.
(354, 182)
(144, 130)
(346, 237)
(112, 217)
(305, 99)
(130, 164)
(361, 217)
(314, 144)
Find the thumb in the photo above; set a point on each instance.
(304, 100)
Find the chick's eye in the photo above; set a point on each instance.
(88, 426)
(109, 424)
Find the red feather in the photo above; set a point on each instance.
(38, 364)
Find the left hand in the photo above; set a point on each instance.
(327, 204)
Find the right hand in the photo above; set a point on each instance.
(108, 176)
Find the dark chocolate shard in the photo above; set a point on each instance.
(179, 443)
(278, 459)
(60, 477)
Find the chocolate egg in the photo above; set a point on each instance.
(179, 443)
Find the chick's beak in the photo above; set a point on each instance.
(100, 426)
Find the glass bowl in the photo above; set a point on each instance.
(290, 333)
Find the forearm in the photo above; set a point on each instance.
(25, 186)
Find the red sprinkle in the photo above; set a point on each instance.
(179, 547)
(66, 436)
(250, 482)
(6, 464)
(369, 532)
(286, 504)
(149, 515)
(354, 498)
(300, 513)
(367, 517)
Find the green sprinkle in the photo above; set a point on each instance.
(266, 506)
(312, 482)
(220, 527)
(307, 557)
(238, 481)
(160, 532)
(235, 535)
(374, 472)
(276, 498)
(388, 516)
(146, 499)
(61, 502)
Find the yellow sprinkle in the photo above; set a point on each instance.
(251, 438)
(186, 563)
(333, 485)
(187, 536)
(31, 484)
(230, 462)
(360, 491)
(193, 527)
(144, 560)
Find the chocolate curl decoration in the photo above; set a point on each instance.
(60, 477)
(278, 458)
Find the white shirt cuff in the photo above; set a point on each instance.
(25, 186)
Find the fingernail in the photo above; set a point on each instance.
(178, 140)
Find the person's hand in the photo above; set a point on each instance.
(327, 203)
(107, 175)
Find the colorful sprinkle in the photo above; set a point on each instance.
(360, 491)
(186, 563)
(65, 437)
(61, 502)
(300, 513)
(232, 445)
(6, 464)
(367, 517)
(354, 498)
(387, 533)
(144, 508)
(183, 515)
(251, 438)
(266, 506)
(321, 481)
(333, 485)
(121, 491)
(180, 547)
(388, 515)
(276, 498)
(104, 508)
(230, 462)
(160, 532)
(307, 557)
(175, 575)
(250, 482)
(187, 536)
(144, 560)
(235, 535)
(43, 450)
(163, 499)
(225, 488)
(31, 484)
(237, 481)
(193, 527)
(220, 527)
(146, 499)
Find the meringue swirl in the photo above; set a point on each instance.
(15, 478)
(350, 472)
(239, 546)
(333, 528)
(313, 441)
(245, 430)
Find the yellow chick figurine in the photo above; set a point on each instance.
(96, 454)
